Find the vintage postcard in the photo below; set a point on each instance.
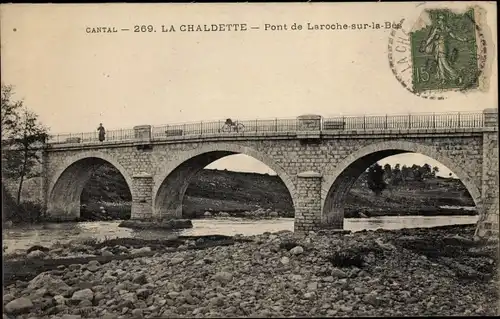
(250, 159)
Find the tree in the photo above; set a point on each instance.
(24, 136)
(388, 171)
(396, 175)
(406, 173)
(417, 172)
(435, 170)
(376, 179)
(426, 171)
(10, 113)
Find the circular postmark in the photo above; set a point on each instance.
(440, 52)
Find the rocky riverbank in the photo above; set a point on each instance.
(439, 271)
(261, 213)
(169, 224)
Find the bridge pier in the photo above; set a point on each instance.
(488, 225)
(142, 196)
(308, 208)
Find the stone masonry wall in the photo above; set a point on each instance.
(490, 183)
(287, 156)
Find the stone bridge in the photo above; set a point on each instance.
(318, 159)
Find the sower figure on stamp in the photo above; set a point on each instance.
(102, 132)
(436, 43)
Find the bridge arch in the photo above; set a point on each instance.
(172, 181)
(69, 179)
(336, 187)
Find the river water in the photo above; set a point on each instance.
(18, 238)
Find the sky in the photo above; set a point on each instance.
(75, 80)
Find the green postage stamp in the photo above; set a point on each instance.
(441, 50)
(444, 54)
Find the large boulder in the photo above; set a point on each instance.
(54, 285)
(36, 254)
(223, 277)
(18, 306)
(273, 215)
(84, 294)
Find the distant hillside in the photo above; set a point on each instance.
(215, 190)
(266, 191)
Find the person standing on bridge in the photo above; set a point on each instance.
(102, 132)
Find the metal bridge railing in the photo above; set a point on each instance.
(338, 123)
(92, 137)
(219, 127)
(407, 121)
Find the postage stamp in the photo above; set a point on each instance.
(442, 52)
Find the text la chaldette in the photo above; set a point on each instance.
(205, 27)
(221, 27)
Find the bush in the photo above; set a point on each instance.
(32, 212)
(346, 258)
(92, 211)
(26, 212)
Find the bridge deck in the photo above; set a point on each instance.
(420, 123)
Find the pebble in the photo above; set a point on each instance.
(84, 294)
(223, 277)
(141, 250)
(137, 313)
(93, 265)
(60, 300)
(338, 273)
(308, 295)
(312, 286)
(176, 260)
(329, 279)
(107, 253)
(297, 250)
(8, 298)
(296, 277)
(345, 308)
(74, 267)
(359, 290)
(285, 260)
(140, 279)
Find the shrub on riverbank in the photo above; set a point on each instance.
(105, 211)
(429, 272)
(25, 212)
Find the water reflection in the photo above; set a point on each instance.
(48, 234)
